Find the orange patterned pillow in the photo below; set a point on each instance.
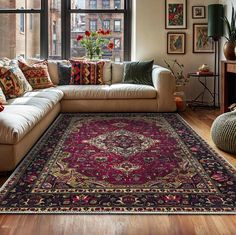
(2, 97)
(13, 82)
(37, 74)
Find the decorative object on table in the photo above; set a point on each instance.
(223, 132)
(138, 72)
(204, 70)
(175, 14)
(94, 43)
(215, 31)
(198, 12)
(230, 45)
(177, 71)
(201, 42)
(104, 163)
(176, 43)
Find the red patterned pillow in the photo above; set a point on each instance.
(37, 74)
(85, 72)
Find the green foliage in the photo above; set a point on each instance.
(231, 27)
(177, 70)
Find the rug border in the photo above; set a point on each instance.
(233, 168)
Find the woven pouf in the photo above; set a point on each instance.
(223, 132)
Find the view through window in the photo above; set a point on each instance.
(63, 23)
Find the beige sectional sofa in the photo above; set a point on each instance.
(26, 118)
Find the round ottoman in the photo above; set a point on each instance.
(223, 132)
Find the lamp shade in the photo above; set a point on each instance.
(215, 21)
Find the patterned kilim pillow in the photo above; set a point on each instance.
(37, 74)
(13, 82)
(87, 72)
(2, 97)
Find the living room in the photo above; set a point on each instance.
(117, 117)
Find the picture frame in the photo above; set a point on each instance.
(201, 42)
(176, 14)
(198, 12)
(176, 43)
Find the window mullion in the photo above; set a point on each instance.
(44, 29)
(66, 27)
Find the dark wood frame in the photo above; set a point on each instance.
(204, 12)
(194, 51)
(168, 43)
(185, 18)
(66, 12)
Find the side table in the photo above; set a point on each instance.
(198, 101)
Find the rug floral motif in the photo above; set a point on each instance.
(121, 163)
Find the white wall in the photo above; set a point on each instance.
(149, 38)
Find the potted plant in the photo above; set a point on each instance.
(94, 42)
(229, 46)
(177, 70)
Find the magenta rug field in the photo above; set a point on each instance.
(121, 163)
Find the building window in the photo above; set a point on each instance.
(106, 4)
(106, 24)
(117, 43)
(93, 4)
(117, 4)
(117, 25)
(93, 25)
(31, 21)
(22, 21)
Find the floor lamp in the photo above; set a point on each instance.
(215, 31)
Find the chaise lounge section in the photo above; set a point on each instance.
(26, 118)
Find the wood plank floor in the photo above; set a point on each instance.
(200, 121)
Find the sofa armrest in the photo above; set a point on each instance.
(164, 83)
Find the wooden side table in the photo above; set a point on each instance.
(228, 84)
(199, 100)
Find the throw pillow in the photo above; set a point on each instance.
(64, 73)
(13, 82)
(138, 73)
(37, 74)
(87, 72)
(2, 97)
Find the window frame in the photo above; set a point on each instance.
(96, 25)
(43, 12)
(66, 12)
(127, 22)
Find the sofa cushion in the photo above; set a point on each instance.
(131, 91)
(89, 92)
(117, 72)
(138, 72)
(2, 97)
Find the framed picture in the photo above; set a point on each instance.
(175, 14)
(198, 12)
(201, 42)
(176, 43)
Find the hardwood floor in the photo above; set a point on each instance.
(200, 121)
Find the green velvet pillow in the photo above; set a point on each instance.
(138, 73)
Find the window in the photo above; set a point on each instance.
(117, 4)
(117, 43)
(93, 25)
(22, 21)
(106, 4)
(49, 28)
(93, 4)
(117, 25)
(106, 24)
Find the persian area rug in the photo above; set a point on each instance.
(121, 163)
